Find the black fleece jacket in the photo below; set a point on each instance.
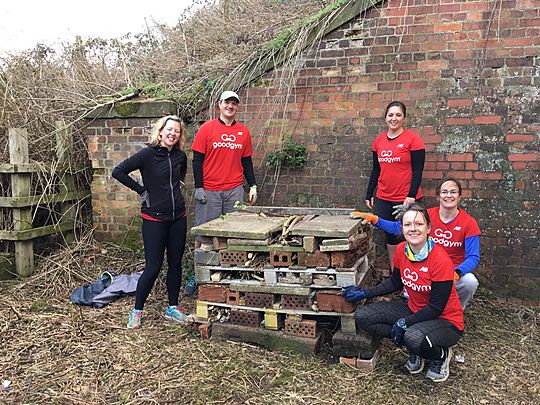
(163, 173)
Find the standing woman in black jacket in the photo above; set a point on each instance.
(162, 165)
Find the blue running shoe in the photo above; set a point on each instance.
(135, 318)
(191, 286)
(173, 313)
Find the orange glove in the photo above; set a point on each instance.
(456, 276)
(365, 216)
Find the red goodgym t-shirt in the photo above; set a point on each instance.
(223, 147)
(394, 157)
(417, 278)
(451, 236)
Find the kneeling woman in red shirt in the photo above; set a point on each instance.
(432, 320)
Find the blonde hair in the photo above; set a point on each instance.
(160, 124)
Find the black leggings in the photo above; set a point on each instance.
(384, 209)
(158, 236)
(424, 339)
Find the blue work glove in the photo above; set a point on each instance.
(353, 293)
(200, 195)
(398, 332)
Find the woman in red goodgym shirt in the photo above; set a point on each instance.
(432, 320)
(398, 162)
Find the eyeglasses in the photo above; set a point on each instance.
(449, 192)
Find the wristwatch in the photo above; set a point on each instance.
(401, 323)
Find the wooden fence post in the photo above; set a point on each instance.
(20, 187)
(64, 152)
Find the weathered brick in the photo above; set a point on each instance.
(333, 301)
(211, 293)
(317, 259)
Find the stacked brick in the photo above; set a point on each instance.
(287, 287)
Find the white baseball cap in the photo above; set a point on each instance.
(229, 94)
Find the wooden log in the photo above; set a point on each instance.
(271, 339)
(20, 187)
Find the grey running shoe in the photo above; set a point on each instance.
(415, 364)
(439, 370)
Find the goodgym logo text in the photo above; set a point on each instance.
(386, 157)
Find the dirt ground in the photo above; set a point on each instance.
(57, 353)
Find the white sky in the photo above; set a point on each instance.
(25, 23)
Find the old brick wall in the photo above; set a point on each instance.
(469, 72)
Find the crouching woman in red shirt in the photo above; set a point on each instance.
(432, 320)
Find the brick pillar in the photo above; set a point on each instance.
(113, 134)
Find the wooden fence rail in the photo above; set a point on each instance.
(22, 200)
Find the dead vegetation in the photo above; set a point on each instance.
(55, 352)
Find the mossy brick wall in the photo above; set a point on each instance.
(113, 134)
(469, 72)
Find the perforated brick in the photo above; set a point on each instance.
(296, 302)
(233, 297)
(306, 328)
(246, 318)
(227, 257)
(259, 300)
(281, 259)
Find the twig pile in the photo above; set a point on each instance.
(55, 352)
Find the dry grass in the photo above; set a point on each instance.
(58, 353)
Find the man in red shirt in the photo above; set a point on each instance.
(222, 152)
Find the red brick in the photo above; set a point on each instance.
(436, 139)
(471, 166)
(350, 361)
(333, 301)
(522, 157)
(232, 297)
(487, 175)
(457, 165)
(519, 165)
(459, 175)
(304, 328)
(211, 293)
(460, 157)
(458, 121)
(487, 119)
(460, 102)
(447, 27)
(205, 330)
(443, 165)
(317, 259)
(369, 364)
(475, 6)
(432, 174)
(519, 138)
